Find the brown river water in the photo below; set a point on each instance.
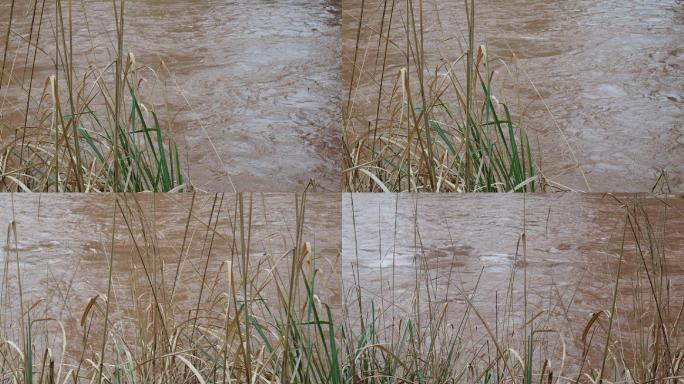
(609, 72)
(63, 243)
(251, 90)
(449, 243)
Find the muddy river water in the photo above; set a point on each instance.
(64, 242)
(450, 243)
(389, 246)
(251, 90)
(604, 75)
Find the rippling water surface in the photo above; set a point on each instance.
(605, 75)
(251, 90)
(471, 245)
(64, 244)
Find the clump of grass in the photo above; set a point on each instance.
(250, 319)
(260, 319)
(419, 338)
(88, 130)
(428, 132)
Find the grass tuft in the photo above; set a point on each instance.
(427, 132)
(88, 130)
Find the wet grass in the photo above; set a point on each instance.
(432, 129)
(89, 129)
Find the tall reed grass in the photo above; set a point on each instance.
(431, 129)
(261, 318)
(247, 318)
(415, 334)
(88, 130)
